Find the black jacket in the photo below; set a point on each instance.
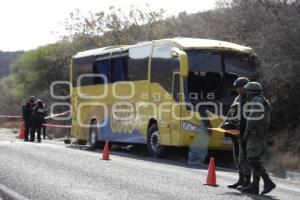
(27, 112)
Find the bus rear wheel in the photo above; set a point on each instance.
(153, 143)
(93, 135)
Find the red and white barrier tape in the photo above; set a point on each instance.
(59, 114)
(10, 116)
(48, 117)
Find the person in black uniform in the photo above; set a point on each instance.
(45, 121)
(39, 114)
(27, 111)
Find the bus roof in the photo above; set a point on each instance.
(196, 43)
(181, 42)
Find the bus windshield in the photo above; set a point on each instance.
(242, 65)
(211, 74)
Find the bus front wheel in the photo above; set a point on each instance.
(153, 143)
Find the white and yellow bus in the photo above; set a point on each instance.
(160, 93)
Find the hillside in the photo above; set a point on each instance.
(6, 59)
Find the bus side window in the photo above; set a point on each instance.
(118, 69)
(82, 66)
(101, 67)
(138, 62)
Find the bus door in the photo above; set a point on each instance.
(176, 110)
(74, 129)
(163, 65)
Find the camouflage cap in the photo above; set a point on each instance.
(253, 88)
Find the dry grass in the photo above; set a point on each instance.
(284, 152)
(11, 124)
(282, 161)
(52, 132)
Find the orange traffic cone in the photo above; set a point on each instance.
(211, 177)
(105, 153)
(22, 131)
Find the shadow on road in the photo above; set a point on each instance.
(176, 156)
(255, 197)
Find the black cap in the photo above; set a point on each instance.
(241, 82)
(32, 98)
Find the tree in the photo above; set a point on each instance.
(9, 104)
(113, 27)
(37, 69)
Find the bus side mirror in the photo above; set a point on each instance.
(181, 55)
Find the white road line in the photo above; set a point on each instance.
(12, 193)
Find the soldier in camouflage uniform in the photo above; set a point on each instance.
(235, 120)
(258, 120)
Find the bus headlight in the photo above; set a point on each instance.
(190, 127)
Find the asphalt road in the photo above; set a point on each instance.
(53, 170)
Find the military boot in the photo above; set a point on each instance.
(240, 182)
(254, 187)
(246, 183)
(269, 185)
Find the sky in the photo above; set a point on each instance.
(27, 24)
